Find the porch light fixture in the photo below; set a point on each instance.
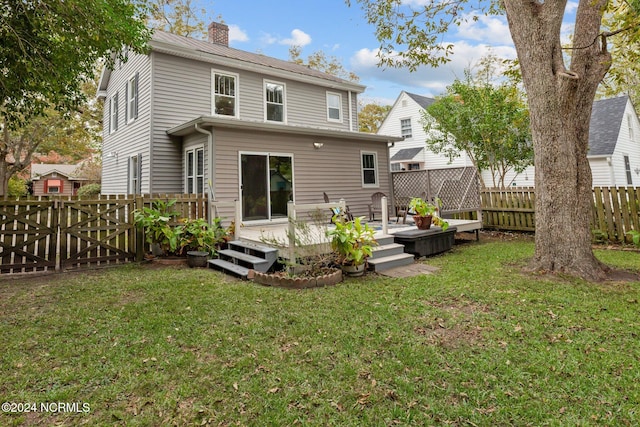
(318, 145)
(112, 154)
(637, 170)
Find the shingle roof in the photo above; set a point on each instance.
(606, 119)
(406, 154)
(40, 169)
(422, 101)
(248, 57)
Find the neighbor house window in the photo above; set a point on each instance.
(134, 174)
(369, 169)
(113, 113)
(224, 94)
(132, 98)
(195, 171)
(627, 169)
(53, 186)
(630, 125)
(405, 128)
(334, 107)
(414, 166)
(274, 100)
(396, 167)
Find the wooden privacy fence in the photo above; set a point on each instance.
(616, 210)
(46, 234)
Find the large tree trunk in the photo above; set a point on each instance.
(560, 103)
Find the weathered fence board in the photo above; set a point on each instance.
(616, 210)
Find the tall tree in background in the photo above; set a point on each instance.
(49, 50)
(179, 17)
(371, 116)
(319, 61)
(560, 96)
(490, 123)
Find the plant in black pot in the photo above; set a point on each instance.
(200, 240)
(353, 242)
(157, 223)
(425, 213)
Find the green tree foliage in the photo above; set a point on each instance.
(180, 17)
(489, 123)
(50, 47)
(17, 187)
(371, 116)
(319, 61)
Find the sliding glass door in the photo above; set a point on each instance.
(266, 185)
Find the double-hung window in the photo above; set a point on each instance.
(132, 98)
(113, 113)
(225, 86)
(369, 169)
(195, 171)
(274, 102)
(334, 107)
(405, 128)
(134, 174)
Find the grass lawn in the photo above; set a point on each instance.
(477, 343)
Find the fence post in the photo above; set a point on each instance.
(138, 240)
(238, 219)
(291, 233)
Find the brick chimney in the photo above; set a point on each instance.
(219, 33)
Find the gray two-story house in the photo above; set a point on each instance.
(195, 116)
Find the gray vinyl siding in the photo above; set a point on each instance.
(131, 138)
(334, 169)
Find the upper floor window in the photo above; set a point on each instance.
(194, 172)
(334, 107)
(113, 113)
(225, 87)
(132, 98)
(630, 125)
(369, 169)
(405, 128)
(274, 100)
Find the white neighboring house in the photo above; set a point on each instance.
(614, 143)
(614, 147)
(405, 120)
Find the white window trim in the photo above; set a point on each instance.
(131, 99)
(213, 94)
(339, 95)
(195, 176)
(410, 127)
(134, 171)
(284, 100)
(113, 113)
(376, 168)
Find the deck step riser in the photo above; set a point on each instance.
(387, 250)
(389, 262)
(229, 268)
(245, 260)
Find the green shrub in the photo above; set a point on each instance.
(89, 190)
(17, 187)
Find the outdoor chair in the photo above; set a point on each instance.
(376, 205)
(402, 208)
(336, 210)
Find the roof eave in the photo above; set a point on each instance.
(217, 122)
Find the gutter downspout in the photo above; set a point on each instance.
(212, 169)
(350, 113)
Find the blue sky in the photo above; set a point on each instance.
(270, 27)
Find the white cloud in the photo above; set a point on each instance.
(427, 81)
(237, 35)
(298, 38)
(492, 29)
(267, 39)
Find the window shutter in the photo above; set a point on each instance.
(61, 186)
(108, 116)
(139, 182)
(126, 102)
(129, 189)
(46, 186)
(135, 111)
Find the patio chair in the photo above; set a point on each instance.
(402, 208)
(376, 205)
(336, 210)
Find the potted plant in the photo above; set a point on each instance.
(425, 213)
(156, 222)
(353, 242)
(200, 240)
